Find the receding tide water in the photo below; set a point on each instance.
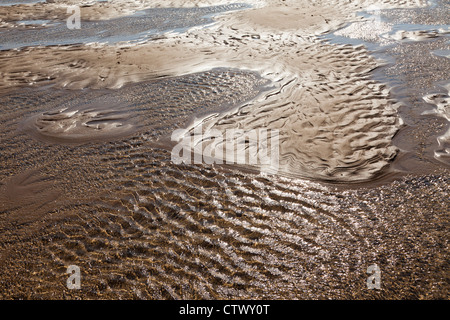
(139, 26)
(414, 45)
(87, 180)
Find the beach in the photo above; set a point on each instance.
(356, 92)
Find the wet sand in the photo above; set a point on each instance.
(87, 178)
(144, 25)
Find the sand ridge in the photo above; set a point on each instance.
(335, 124)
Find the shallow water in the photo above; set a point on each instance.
(33, 22)
(16, 2)
(86, 179)
(141, 26)
(157, 107)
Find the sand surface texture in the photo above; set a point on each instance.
(357, 91)
(335, 123)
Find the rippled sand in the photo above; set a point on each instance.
(86, 176)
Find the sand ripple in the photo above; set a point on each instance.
(442, 103)
(334, 123)
(78, 126)
(141, 227)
